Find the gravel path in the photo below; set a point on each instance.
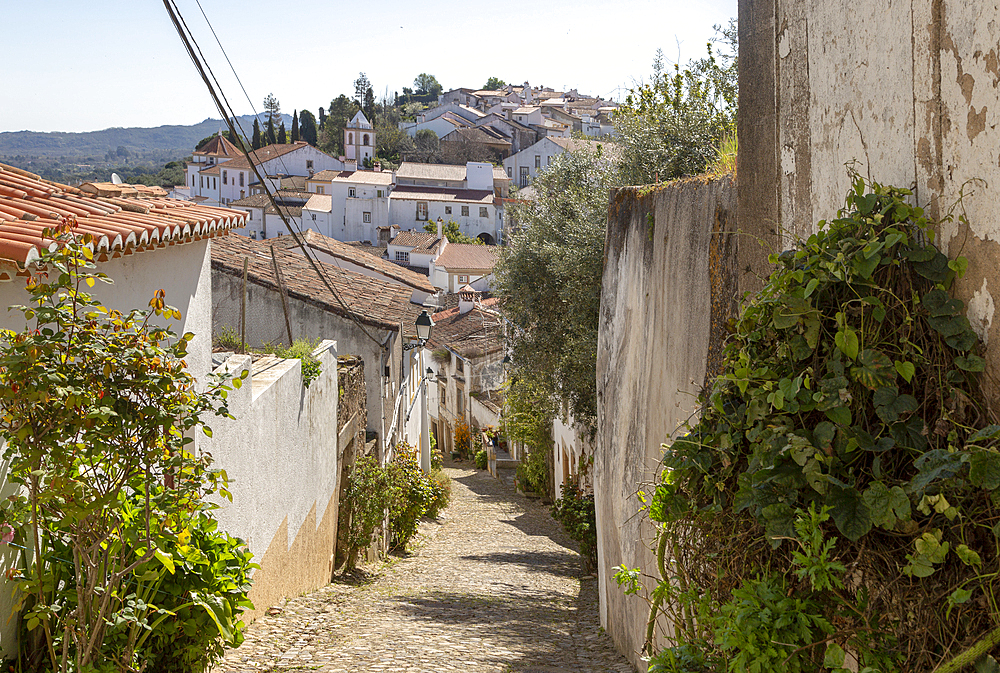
(493, 585)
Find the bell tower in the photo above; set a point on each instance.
(359, 139)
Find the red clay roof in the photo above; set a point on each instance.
(372, 301)
(354, 255)
(122, 218)
(219, 146)
(471, 334)
(468, 256)
(413, 238)
(265, 154)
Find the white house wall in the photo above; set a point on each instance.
(281, 454)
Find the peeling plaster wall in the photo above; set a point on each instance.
(671, 280)
(907, 90)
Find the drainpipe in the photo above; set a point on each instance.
(425, 431)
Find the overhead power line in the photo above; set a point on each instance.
(215, 90)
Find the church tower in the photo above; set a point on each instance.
(359, 139)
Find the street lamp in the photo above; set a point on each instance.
(424, 326)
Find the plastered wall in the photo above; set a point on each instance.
(671, 279)
(907, 90)
(281, 454)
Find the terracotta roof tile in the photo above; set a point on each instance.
(475, 333)
(349, 253)
(372, 301)
(468, 256)
(219, 146)
(122, 218)
(265, 154)
(354, 177)
(413, 238)
(416, 193)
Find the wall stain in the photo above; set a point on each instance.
(976, 123)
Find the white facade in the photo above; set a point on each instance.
(522, 168)
(358, 205)
(572, 454)
(359, 139)
(411, 211)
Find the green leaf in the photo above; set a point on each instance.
(949, 325)
(970, 363)
(959, 596)
(987, 433)
(987, 664)
(959, 265)
(849, 511)
(834, 657)
(890, 405)
(839, 415)
(964, 341)
(939, 303)
(984, 470)
(810, 287)
(785, 316)
(935, 269)
(874, 370)
(933, 465)
(800, 347)
(847, 341)
(905, 369)
(166, 559)
(878, 498)
(968, 556)
(865, 266)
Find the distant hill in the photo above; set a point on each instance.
(175, 141)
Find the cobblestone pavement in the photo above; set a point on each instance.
(493, 585)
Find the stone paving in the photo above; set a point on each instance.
(494, 585)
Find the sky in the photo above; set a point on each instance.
(83, 66)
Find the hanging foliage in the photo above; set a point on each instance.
(847, 440)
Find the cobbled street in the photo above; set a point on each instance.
(493, 585)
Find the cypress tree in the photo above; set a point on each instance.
(270, 132)
(322, 119)
(307, 128)
(282, 137)
(295, 126)
(256, 135)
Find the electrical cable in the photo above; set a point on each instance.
(187, 38)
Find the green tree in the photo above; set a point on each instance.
(295, 126)
(307, 127)
(549, 278)
(272, 108)
(494, 84)
(331, 140)
(271, 137)
(452, 233)
(257, 142)
(321, 120)
(369, 106)
(674, 125)
(427, 85)
(282, 136)
(361, 87)
(426, 147)
(97, 412)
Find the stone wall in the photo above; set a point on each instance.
(672, 276)
(908, 90)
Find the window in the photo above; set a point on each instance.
(352, 192)
(422, 210)
(241, 178)
(215, 183)
(192, 181)
(442, 395)
(447, 210)
(538, 161)
(549, 161)
(381, 193)
(402, 257)
(524, 176)
(225, 178)
(460, 401)
(321, 190)
(350, 138)
(309, 164)
(314, 217)
(510, 172)
(250, 216)
(483, 212)
(366, 217)
(459, 365)
(365, 141)
(463, 279)
(201, 180)
(465, 211)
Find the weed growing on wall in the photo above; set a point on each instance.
(843, 480)
(576, 512)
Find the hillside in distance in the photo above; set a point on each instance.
(173, 141)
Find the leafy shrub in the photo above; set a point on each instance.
(411, 494)
(850, 387)
(366, 499)
(442, 495)
(301, 349)
(575, 511)
(533, 473)
(207, 592)
(482, 459)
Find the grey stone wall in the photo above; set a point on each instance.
(672, 278)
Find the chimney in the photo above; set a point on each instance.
(440, 224)
(467, 298)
